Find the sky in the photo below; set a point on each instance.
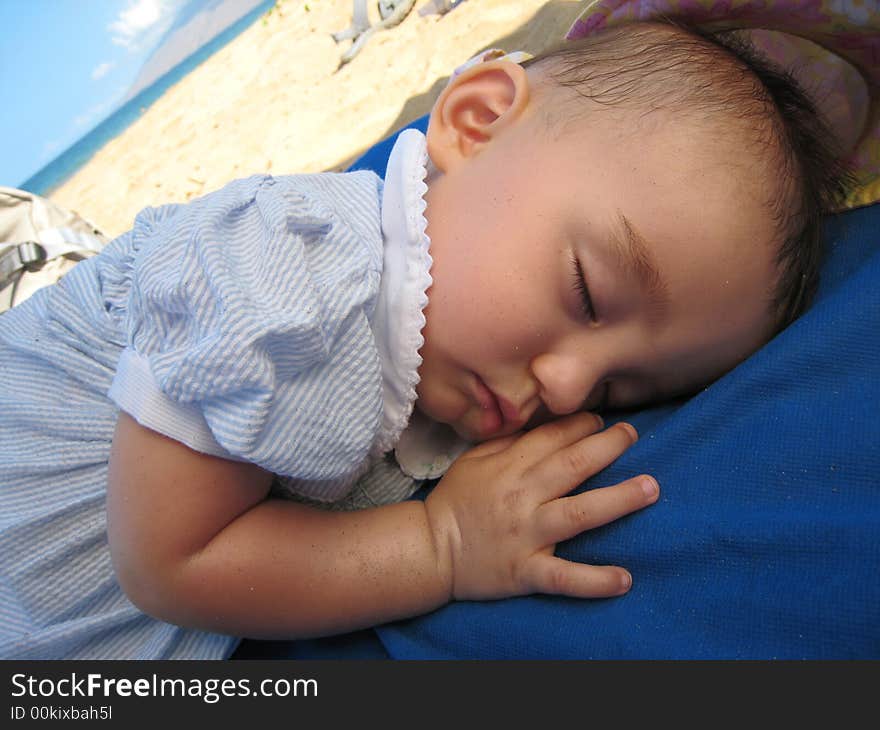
(64, 66)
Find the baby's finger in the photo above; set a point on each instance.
(553, 575)
(487, 448)
(565, 469)
(566, 517)
(550, 437)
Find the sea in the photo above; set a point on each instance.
(59, 170)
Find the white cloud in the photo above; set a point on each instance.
(141, 22)
(101, 70)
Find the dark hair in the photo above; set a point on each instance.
(667, 65)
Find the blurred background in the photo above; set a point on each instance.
(114, 105)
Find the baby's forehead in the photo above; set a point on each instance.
(717, 134)
(744, 153)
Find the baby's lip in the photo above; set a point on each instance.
(493, 419)
(510, 416)
(597, 402)
(484, 396)
(514, 417)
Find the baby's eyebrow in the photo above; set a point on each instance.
(634, 256)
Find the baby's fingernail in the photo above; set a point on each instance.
(626, 581)
(650, 486)
(630, 429)
(599, 419)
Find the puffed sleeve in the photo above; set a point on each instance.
(247, 323)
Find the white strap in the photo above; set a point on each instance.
(61, 241)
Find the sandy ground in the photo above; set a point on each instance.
(274, 101)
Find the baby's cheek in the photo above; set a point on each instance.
(439, 399)
(522, 329)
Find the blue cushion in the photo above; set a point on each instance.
(376, 158)
(765, 542)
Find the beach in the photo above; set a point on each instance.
(274, 100)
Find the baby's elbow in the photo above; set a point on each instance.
(153, 587)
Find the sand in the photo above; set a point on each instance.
(274, 100)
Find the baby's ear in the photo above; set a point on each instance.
(473, 109)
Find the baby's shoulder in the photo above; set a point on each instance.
(362, 186)
(348, 203)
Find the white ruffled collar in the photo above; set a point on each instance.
(424, 449)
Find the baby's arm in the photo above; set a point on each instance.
(195, 540)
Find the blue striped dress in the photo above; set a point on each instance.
(228, 323)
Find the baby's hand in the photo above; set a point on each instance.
(500, 510)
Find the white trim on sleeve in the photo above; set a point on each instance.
(135, 391)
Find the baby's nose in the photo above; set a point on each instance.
(566, 384)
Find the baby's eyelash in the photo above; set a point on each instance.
(580, 286)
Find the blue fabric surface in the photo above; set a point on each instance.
(765, 542)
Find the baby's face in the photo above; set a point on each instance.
(666, 234)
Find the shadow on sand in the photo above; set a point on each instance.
(546, 28)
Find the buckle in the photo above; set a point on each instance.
(31, 255)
